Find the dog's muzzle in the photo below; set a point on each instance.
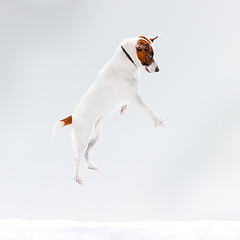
(153, 67)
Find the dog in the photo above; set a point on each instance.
(116, 86)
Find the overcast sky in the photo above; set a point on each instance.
(51, 52)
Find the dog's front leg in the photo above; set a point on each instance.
(137, 100)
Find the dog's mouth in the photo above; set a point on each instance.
(147, 69)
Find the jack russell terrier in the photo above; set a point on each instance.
(116, 85)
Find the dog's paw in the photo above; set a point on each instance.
(78, 180)
(123, 109)
(92, 167)
(159, 122)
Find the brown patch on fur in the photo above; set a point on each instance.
(151, 39)
(67, 121)
(144, 51)
(145, 39)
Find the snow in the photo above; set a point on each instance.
(154, 230)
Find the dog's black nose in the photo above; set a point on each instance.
(157, 69)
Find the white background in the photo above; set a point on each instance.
(51, 52)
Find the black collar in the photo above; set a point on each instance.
(128, 56)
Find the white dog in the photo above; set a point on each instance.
(115, 87)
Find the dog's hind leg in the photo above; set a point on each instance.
(77, 160)
(94, 139)
(92, 142)
(81, 134)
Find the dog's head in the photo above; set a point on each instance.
(145, 53)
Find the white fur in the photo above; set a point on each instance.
(57, 127)
(116, 85)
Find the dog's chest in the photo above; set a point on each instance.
(118, 80)
(122, 86)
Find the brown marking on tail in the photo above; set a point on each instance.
(67, 121)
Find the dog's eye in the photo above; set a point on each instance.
(146, 47)
(149, 56)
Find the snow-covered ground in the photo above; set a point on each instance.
(149, 230)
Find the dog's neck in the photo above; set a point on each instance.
(121, 64)
(129, 46)
(128, 56)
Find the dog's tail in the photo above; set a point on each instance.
(62, 123)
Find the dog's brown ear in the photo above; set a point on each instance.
(152, 39)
